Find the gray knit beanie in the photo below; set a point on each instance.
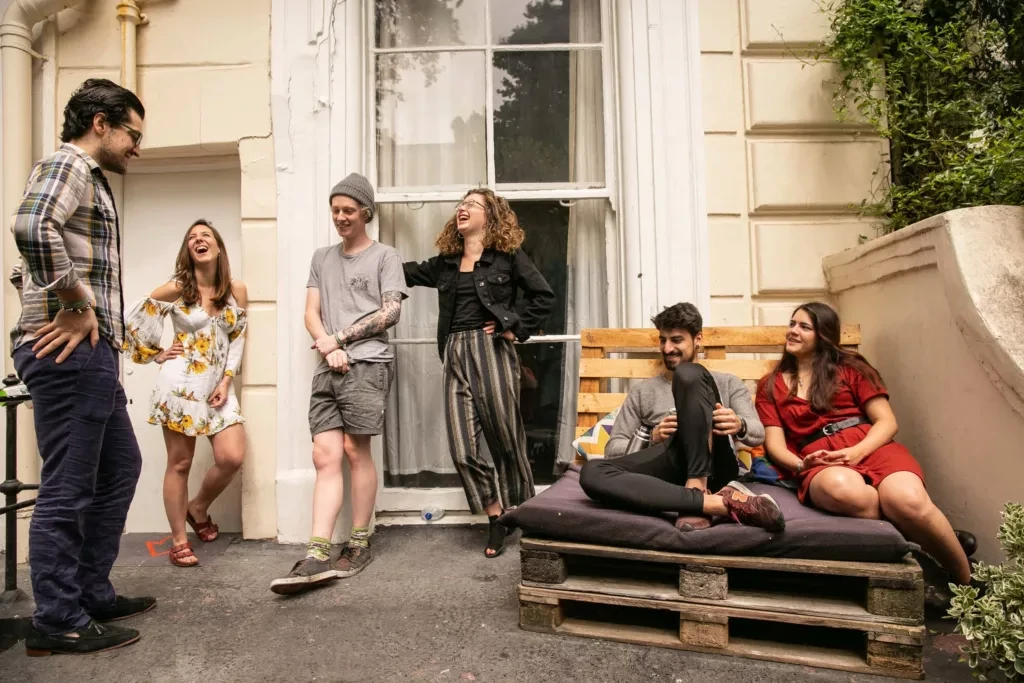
(358, 188)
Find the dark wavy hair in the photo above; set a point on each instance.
(98, 96)
(682, 316)
(829, 357)
(185, 270)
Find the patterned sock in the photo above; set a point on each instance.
(319, 549)
(360, 537)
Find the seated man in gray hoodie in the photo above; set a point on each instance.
(696, 415)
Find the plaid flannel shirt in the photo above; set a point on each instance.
(67, 231)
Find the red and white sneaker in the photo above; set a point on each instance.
(752, 509)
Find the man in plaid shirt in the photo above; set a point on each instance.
(66, 347)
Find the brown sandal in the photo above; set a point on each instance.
(206, 531)
(180, 553)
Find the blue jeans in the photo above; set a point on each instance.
(91, 464)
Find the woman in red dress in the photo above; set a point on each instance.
(829, 425)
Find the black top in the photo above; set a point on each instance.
(470, 313)
(498, 276)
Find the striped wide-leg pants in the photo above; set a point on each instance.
(481, 389)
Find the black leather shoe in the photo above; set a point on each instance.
(967, 541)
(93, 637)
(122, 608)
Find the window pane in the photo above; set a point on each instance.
(431, 119)
(531, 22)
(567, 244)
(424, 23)
(549, 117)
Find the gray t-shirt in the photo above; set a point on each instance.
(351, 288)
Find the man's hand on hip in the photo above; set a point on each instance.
(67, 329)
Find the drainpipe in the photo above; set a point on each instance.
(16, 53)
(130, 17)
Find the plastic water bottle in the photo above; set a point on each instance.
(432, 513)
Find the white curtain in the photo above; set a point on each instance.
(589, 221)
(431, 132)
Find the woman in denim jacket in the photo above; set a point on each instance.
(477, 273)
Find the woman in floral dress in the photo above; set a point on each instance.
(194, 394)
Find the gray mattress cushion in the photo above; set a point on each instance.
(566, 513)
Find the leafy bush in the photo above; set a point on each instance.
(943, 81)
(994, 623)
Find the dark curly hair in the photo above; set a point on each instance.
(682, 316)
(98, 96)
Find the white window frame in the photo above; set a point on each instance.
(511, 191)
(403, 499)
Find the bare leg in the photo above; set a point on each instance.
(907, 505)
(364, 479)
(180, 451)
(843, 491)
(328, 451)
(228, 452)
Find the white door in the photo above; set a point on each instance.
(156, 210)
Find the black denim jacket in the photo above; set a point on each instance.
(498, 276)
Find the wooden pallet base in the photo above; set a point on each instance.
(876, 649)
(851, 616)
(892, 592)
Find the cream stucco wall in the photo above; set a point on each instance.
(941, 311)
(782, 174)
(204, 77)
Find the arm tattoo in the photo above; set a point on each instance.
(385, 317)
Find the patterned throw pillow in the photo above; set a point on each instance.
(591, 443)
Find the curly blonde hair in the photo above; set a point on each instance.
(502, 231)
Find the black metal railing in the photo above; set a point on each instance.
(11, 487)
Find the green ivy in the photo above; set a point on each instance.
(943, 82)
(994, 623)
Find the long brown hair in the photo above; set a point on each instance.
(829, 357)
(501, 232)
(185, 270)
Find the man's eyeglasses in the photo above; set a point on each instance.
(135, 135)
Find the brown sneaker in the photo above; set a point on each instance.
(307, 573)
(692, 522)
(353, 559)
(752, 509)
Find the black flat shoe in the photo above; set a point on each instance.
(967, 541)
(123, 608)
(93, 637)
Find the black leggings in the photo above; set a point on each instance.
(651, 480)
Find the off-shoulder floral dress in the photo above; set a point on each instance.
(213, 349)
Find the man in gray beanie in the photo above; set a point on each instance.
(358, 188)
(353, 296)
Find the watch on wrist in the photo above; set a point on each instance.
(341, 344)
(800, 467)
(743, 428)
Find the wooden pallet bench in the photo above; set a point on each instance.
(861, 617)
(853, 616)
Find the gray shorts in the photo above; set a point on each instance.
(353, 402)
